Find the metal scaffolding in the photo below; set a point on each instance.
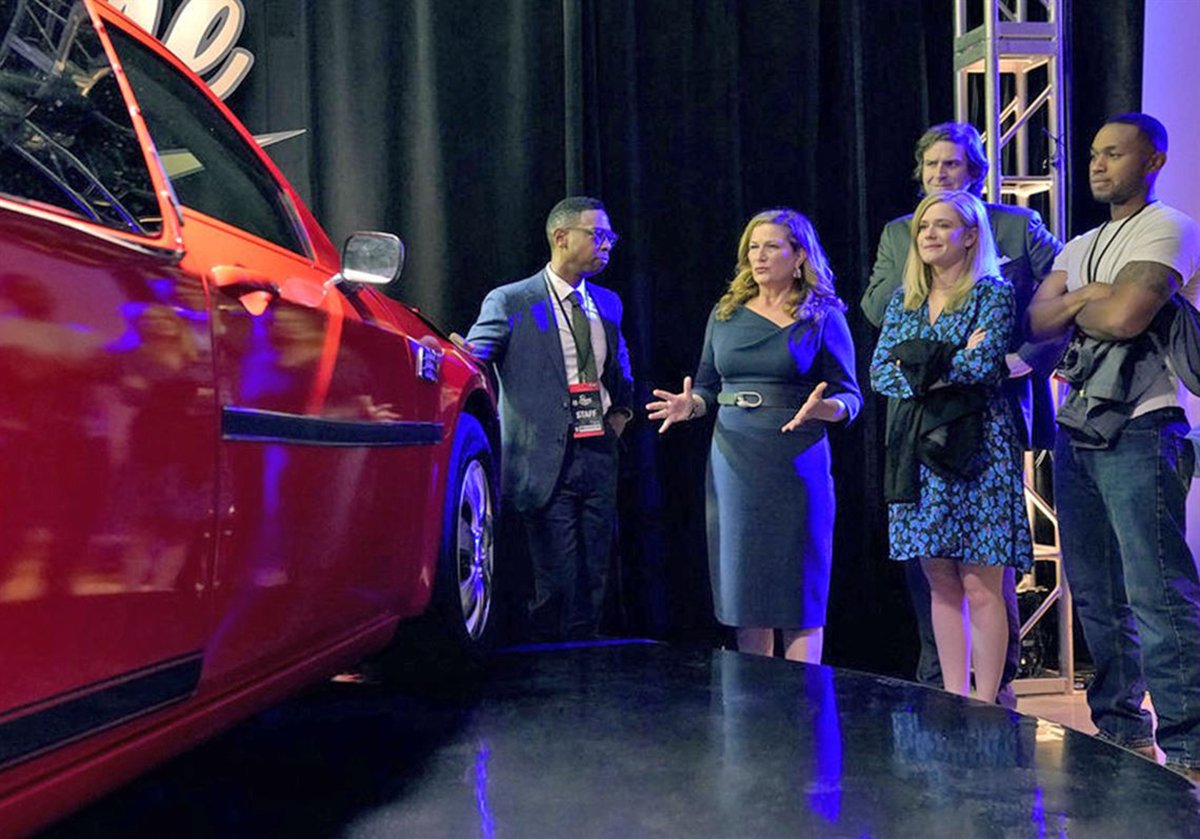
(1014, 53)
(1009, 54)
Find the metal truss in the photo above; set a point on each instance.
(43, 33)
(1014, 49)
(1009, 54)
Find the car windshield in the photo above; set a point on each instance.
(66, 139)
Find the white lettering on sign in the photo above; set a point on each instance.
(145, 13)
(203, 34)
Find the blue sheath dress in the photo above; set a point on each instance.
(770, 495)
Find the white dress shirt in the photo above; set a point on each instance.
(560, 300)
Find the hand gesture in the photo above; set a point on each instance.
(807, 410)
(976, 338)
(672, 407)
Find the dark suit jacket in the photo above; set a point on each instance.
(1027, 250)
(516, 332)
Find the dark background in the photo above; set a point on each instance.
(458, 125)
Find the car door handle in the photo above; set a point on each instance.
(253, 289)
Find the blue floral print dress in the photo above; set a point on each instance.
(982, 520)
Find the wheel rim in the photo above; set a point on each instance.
(475, 549)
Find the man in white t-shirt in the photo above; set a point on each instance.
(1121, 497)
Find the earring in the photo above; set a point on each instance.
(798, 274)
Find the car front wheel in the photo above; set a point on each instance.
(441, 651)
(466, 585)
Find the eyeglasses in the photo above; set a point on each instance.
(599, 234)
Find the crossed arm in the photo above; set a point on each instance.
(1116, 312)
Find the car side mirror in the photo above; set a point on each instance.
(372, 258)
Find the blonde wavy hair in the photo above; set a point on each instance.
(812, 293)
(981, 256)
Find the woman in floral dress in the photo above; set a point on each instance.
(948, 326)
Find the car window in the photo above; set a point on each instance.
(210, 166)
(66, 138)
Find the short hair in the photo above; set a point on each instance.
(982, 259)
(813, 292)
(962, 134)
(567, 211)
(1151, 129)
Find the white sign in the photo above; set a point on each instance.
(203, 34)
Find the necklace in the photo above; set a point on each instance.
(1090, 276)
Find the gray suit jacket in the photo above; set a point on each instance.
(516, 332)
(1027, 250)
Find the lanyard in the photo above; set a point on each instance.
(1090, 275)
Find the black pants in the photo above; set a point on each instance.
(570, 540)
(929, 669)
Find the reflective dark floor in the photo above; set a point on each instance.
(646, 740)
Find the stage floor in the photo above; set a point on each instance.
(647, 740)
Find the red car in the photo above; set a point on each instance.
(228, 465)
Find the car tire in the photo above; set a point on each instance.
(447, 645)
(465, 589)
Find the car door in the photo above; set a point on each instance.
(108, 417)
(321, 439)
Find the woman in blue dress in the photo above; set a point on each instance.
(777, 365)
(955, 500)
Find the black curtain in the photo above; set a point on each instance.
(458, 125)
(697, 115)
(1104, 63)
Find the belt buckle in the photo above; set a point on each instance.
(747, 399)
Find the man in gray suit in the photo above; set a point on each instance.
(950, 156)
(566, 391)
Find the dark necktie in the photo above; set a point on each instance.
(581, 330)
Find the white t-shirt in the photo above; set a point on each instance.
(1159, 234)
